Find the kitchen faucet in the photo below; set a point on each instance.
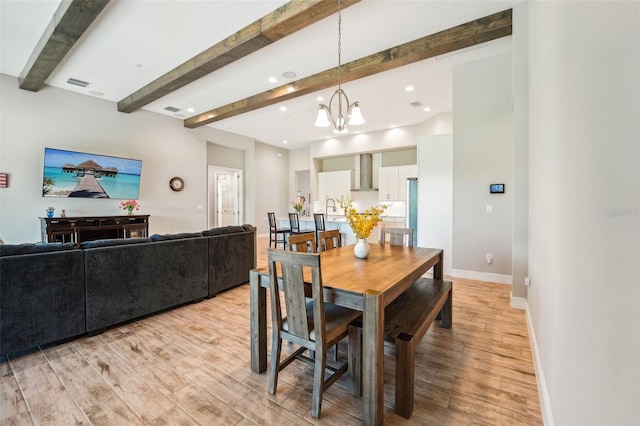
(333, 205)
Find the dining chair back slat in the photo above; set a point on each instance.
(330, 239)
(303, 242)
(397, 236)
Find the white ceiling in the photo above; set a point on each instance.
(134, 42)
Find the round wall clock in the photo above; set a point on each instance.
(176, 184)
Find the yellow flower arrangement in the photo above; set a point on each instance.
(362, 224)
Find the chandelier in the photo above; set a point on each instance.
(347, 113)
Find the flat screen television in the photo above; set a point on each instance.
(70, 174)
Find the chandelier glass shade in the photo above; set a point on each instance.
(346, 113)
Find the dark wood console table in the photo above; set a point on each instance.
(79, 229)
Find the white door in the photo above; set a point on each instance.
(227, 198)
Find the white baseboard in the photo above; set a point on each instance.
(482, 276)
(543, 393)
(518, 303)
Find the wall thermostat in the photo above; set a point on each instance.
(496, 188)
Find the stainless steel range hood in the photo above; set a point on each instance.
(366, 173)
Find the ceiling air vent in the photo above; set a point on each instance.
(417, 104)
(172, 109)
(77, 82)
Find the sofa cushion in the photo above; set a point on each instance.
(108, 242)
(165, 237)
(28, 248)
(223, 230)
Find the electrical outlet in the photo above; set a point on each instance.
(489, 258)
(527, 281)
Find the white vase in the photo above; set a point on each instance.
(361, 249)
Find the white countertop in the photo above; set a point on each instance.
(341, 218)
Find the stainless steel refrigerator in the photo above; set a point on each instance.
(412, 208)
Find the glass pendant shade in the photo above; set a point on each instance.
(356, 118)
(322, 120)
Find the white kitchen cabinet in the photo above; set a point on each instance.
(392, 182)
(336, 185)
(325, 185)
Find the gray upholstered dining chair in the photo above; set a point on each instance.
(329, 240)
(310, 323)
(397, 236)
(303, 243)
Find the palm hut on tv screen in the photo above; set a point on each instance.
(70, 174)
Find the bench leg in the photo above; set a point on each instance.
(405, 358)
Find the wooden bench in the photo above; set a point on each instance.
(407, 319)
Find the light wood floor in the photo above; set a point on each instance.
(191, 366)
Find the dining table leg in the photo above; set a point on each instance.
(373, 357)
(258, 309)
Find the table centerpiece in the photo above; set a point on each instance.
(362, 225)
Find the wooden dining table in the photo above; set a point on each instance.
(367, 285)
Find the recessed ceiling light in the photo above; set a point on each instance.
(191, 110)
(283, 108)
(285, 142)
(319, 99)
(210, 116)
(427, 109)
(409, 88)
(273, 80)
(289, 74)
(291, 89)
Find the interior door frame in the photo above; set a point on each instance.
(212, 195)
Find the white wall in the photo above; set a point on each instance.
(482, 155)
(272, 184)
(435, 194)
(61, 119)
(584, 244)
(520, 64)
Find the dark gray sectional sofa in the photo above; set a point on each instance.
(42, 297)
(53, 292)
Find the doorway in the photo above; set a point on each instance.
(225, 197)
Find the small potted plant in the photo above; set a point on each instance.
(50, 211)
(298, 205)
(130, 206)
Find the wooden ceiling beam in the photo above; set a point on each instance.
(471, 33)
(284, 21)
(69, 22)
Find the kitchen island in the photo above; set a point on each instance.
(339, 222)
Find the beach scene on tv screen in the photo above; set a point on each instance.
(71, 174)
